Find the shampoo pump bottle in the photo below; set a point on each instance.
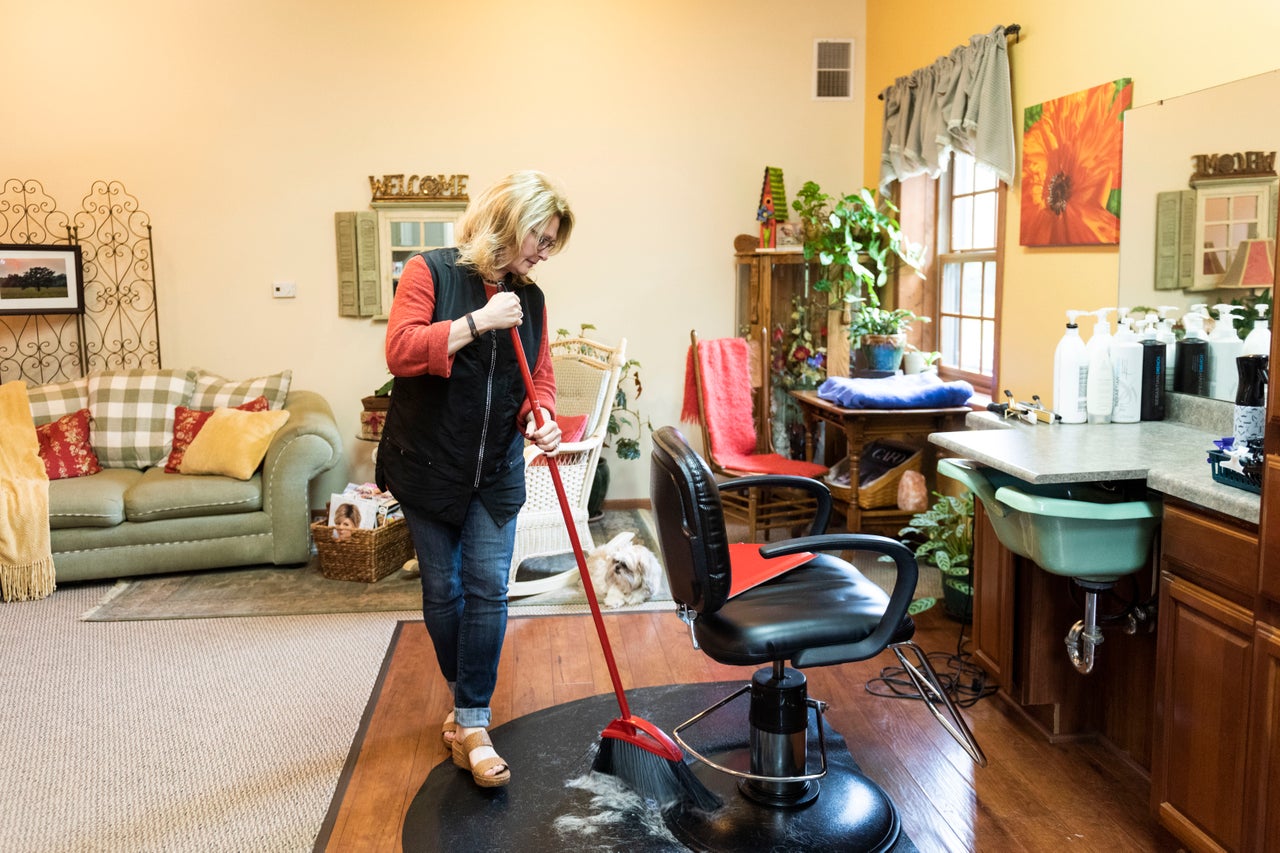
(1259, 340)
(1153, 383)
(1101, 379)
(1070, 374)
(1166, 336)
(1225, 347)
(1192, 356)
(1126, 367)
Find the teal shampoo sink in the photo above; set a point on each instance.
(1080, 530)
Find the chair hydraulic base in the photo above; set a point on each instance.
(780, 800)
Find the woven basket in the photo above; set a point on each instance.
(883, 490)
(366, 556)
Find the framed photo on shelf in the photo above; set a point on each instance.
(790, 234)
(41, 279)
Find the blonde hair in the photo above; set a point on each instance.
(498, 220)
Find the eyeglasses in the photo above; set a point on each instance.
(545, 244)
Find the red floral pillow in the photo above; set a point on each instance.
(65, 448)
(187, 424)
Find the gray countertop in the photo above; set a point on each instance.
(1170, 456)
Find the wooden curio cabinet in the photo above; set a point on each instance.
(767, 283)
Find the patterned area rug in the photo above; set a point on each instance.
(271, 591)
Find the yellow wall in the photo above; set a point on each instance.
(241, 126)
(1169, 48)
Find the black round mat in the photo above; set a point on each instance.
(555, 803)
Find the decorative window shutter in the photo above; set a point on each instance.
(833, 69)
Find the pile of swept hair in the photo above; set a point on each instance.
(497, 221)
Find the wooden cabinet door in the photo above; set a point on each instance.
(1264, 743)
(1202, 696)
(1269, 569)
(993, 600)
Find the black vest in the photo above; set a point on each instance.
(447, 440)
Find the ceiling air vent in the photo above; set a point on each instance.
(833, 69)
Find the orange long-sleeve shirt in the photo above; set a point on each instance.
(417, 346)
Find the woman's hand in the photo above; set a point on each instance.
(501, 312)
(546, 437)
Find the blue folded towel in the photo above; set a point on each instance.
(913, 391)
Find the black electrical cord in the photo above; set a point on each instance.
(964, 681)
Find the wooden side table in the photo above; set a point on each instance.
(860, 426)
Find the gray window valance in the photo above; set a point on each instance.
(960, 102)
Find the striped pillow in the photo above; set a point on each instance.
(213, 391)
(133, 413)
(57, 400)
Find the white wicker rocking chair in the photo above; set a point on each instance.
(587, 375)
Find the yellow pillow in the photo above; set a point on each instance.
(232, 443)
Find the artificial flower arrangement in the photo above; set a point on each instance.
(798, 361)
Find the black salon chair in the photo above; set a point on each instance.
(821, 612)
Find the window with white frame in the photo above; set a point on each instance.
(967, 270)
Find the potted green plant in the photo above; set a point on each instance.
(942, 536)
(881, 333)
(856, 241)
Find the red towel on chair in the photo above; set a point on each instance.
(723, 364)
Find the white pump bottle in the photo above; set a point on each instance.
(1224, 347)
(1070, 374)
(1259, 340)
(1126, 367)
(1101, 380)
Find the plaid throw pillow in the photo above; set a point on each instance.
(133, 413)
(213, 391)
(57, 400)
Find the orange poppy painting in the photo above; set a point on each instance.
(1071, 167)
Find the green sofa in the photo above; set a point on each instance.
(126, 521)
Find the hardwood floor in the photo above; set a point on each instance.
(1033, 796)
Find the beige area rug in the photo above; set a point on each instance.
(271, 591)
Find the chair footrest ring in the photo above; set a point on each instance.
(818, 707)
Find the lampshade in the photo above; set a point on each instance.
(1253, 265)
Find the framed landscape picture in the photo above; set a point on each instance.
(1071, 149)
(41, 279)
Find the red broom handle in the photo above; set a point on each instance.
(573, 531)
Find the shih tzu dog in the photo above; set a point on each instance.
(623, 572)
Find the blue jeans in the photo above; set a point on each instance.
(464, 602)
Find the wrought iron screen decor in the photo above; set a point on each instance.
(119, 328)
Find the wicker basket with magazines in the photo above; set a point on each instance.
(365, 556)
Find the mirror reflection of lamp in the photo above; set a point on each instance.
(1252, 265)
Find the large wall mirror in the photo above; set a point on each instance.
(1162, 214)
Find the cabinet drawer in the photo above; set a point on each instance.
(1209, 549)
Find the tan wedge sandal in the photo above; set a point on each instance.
(448, 727)
(462, 748)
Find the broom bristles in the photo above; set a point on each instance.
(664, 781)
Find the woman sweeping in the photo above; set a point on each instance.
(452, 446)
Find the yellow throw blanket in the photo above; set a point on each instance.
(26, 562)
